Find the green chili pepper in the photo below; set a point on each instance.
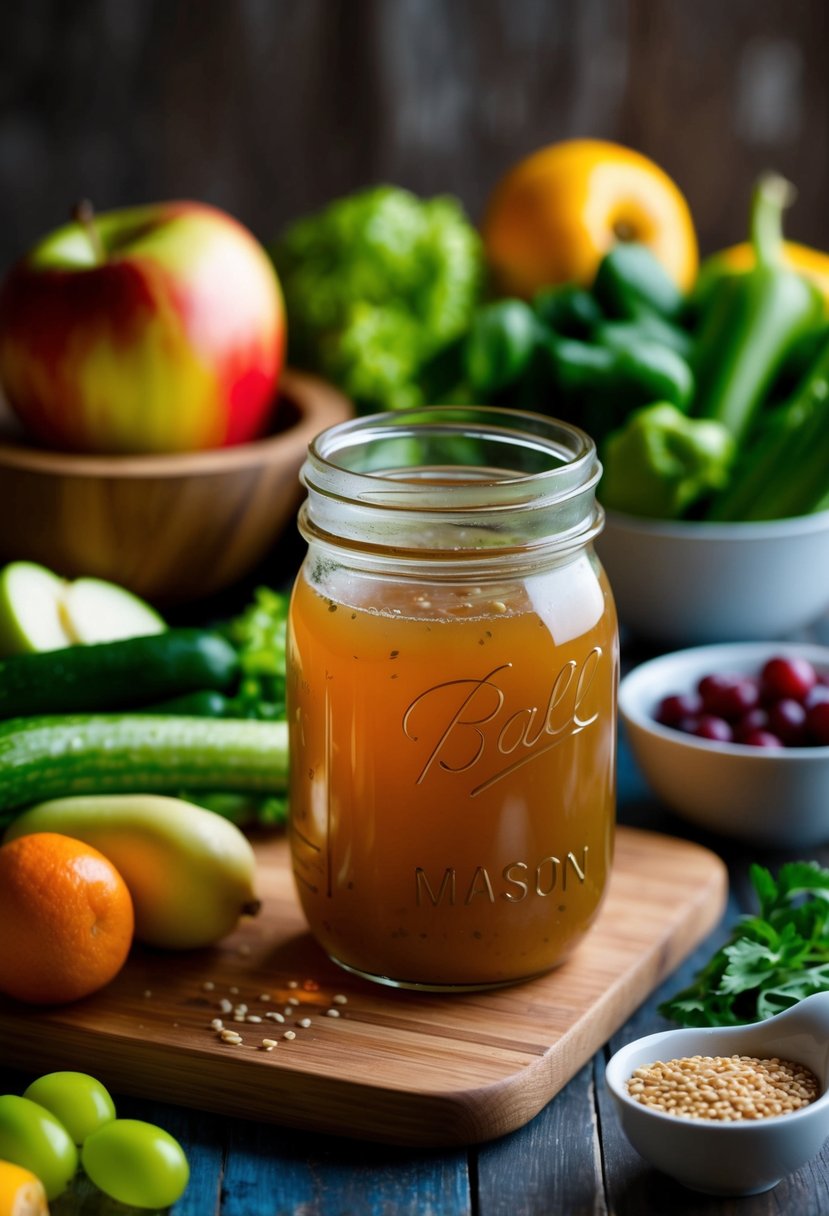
(648, 327)
(500, 345)
(752, 321)
(569, 310)
(600, 385)
(784, 471)
(630, 278)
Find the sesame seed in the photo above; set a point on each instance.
(225, 1005)
(208, 986)
(340, 999)
(289, 1034)
(264, 996)
(268, 1044)
(217, 1024)
(332, 1013)
(293, 984)
(274, 1016)
(252, 1017)
(230, 1036)
(294, 1000)
(233, 991)
(304, 1023)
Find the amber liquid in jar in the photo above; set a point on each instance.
(453, 765)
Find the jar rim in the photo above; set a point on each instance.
(573, 462)
(459, 480)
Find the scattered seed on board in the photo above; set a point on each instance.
(231, 1036)
(293, 984)
(268, 1044)
(724, 1088)
(339, 999)
(217, 1024)
(225, 1005)
(252, 1017)
(289, 1034)
(294, 1000)
(208, 986)
(274, 1016)
(304, 1023)
(332, 1013)
(264, 996)
(233, 991)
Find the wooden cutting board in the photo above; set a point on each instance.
(394, 1066)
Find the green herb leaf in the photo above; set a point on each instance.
(772, 960)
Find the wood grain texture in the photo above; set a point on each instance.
(397, 1067)
(270, 108)
(170, 527)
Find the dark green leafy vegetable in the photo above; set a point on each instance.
(773, 959)
(375, 284)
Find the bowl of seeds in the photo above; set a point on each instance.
(728, 1111)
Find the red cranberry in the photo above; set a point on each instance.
(787, 720)
(728, 696)
(762, 738)
(815, 695)
(755, 719)
(709, 726)
(817, 721)
(788, 677)
(671, 710)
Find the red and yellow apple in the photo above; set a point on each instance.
(158, 328)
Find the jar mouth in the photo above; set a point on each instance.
(452, 480)
(451, 458)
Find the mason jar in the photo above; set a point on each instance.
(452, 673)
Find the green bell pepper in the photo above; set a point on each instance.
(660, 463)
(752, 321)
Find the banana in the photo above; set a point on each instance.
(190, 872)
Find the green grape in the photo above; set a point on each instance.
(81, 1103)
(136, 1163)
(31, 1136)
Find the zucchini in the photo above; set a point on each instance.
(116, 675)
(58, 755)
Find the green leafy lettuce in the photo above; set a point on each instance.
(375, 284)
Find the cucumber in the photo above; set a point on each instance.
(116, 675)
(58, 755)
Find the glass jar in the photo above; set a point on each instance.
(452, 672)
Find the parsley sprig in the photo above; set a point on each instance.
(773, 959)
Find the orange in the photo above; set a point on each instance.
(66, 916)
(555, 214)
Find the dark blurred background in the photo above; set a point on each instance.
(269, 108)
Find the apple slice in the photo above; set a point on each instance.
(97, 611)
(30, 609)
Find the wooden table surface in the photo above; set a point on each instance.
(570, 1160)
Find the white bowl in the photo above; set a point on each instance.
(745, 1157)
(689, 583)
(769, 796)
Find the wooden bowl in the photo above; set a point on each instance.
(170, 527)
